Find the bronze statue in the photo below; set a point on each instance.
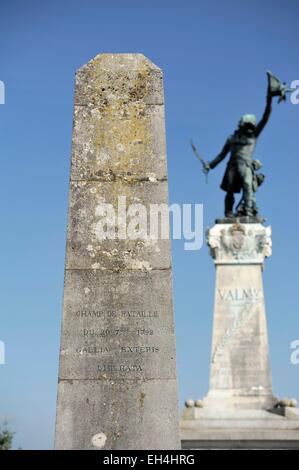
(241, 172)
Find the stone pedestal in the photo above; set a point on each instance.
(240, 374)
(117, 377)
(240, 405)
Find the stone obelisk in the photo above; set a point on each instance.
(117, 377)
(240, 375)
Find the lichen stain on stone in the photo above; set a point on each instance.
(140, 265)
(141, 399)
(119, 79)
(141, 87)
(126, 141)
(120, 129)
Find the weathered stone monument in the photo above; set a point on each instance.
(117, 377)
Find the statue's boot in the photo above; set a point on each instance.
(248, 207)
(229, 204)
(248, 198)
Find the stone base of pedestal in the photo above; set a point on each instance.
(240, 429)
(222, 399)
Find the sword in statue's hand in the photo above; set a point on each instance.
(205, 165)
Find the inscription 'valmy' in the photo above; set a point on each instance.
(240, 295)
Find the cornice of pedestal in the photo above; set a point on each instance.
(239, 243)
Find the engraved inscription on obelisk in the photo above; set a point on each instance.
(117, 378)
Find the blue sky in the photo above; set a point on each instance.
(214, 55)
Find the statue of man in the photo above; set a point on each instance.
(239, 174)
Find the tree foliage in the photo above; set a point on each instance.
(6, 437)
